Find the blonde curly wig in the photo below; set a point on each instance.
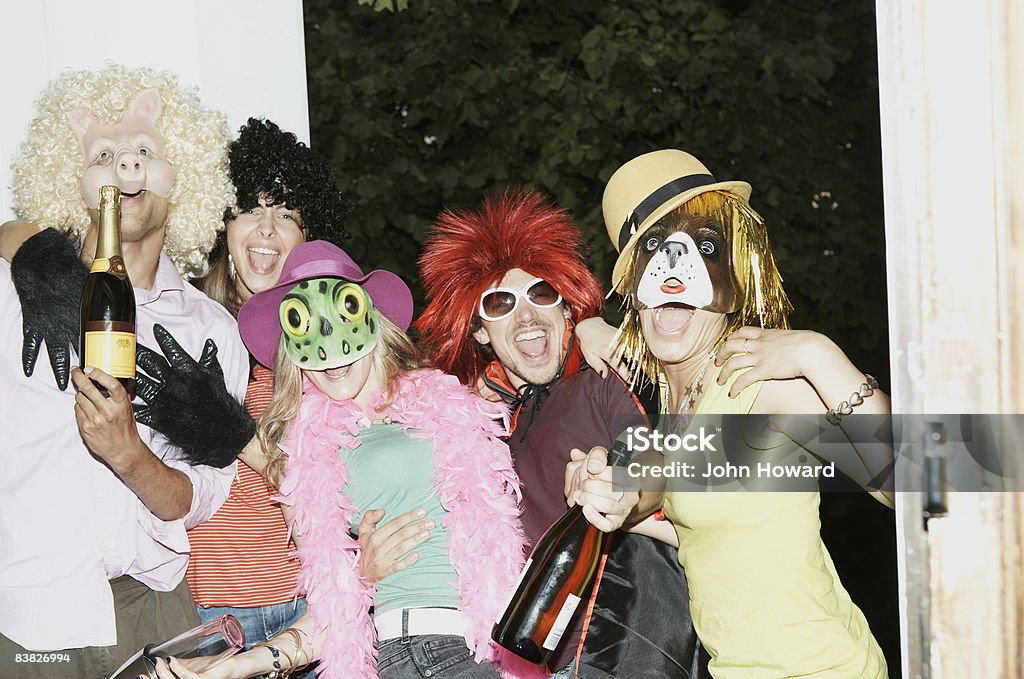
(48, 170)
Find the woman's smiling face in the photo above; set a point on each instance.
(355, 381)
(259, 240)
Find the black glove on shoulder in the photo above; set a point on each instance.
(48, 277)
(188, 402)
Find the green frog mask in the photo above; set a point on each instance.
(328, 323)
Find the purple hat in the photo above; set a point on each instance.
(258, 319)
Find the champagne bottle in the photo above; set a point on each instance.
(108, 301)
(553, 581)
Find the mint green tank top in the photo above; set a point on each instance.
(393, 472)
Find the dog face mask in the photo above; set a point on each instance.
(328, 323)
(685, 258)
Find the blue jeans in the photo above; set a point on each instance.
(261, 623)
(437, 656)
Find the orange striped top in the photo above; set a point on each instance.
(242, 556)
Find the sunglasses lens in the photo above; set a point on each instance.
(542, 294)
(497, 304)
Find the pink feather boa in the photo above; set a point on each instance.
(476, 484)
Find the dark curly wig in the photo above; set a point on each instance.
(267, 161)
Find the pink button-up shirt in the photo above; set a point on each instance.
(67, 523)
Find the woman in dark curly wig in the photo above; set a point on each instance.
(243, 562)
(286, 194)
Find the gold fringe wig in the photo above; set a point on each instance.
(764, 302)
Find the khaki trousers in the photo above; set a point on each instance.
(143, 617)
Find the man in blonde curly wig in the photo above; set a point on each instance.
(92, 565)
(48, 173)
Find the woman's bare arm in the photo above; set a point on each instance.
(805, 373)
(256, 661)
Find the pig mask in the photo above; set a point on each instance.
(129, 154)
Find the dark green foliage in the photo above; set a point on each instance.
(436, 105)
(557, 95)
(389, 5)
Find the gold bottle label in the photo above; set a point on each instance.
(113, 265)
(112, 352)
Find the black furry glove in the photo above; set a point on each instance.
(49, 277)
(188, 402)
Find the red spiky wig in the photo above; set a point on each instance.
(470, 251)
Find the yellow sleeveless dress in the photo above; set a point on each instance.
(764, 596)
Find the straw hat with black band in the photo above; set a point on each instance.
(649, 187)
(652, 185)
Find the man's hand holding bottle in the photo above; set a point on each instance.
(588, 482)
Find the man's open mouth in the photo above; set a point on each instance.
(533, 342)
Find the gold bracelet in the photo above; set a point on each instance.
(291, 665)
(295, 635)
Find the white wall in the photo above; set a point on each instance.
(951, 89)
(245, 56)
